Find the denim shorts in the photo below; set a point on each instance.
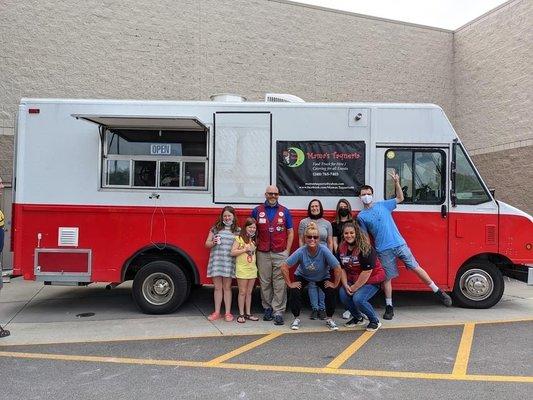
(388, 260)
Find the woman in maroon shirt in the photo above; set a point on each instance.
(361, 277)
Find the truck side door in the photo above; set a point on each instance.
(422, 218)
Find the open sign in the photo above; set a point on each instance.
(160, 149)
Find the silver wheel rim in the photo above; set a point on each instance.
(158, 289)
(476, 284)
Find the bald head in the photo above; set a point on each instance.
(272, 194)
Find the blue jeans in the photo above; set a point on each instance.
(316, 297)
(358, 303)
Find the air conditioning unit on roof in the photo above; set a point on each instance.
(282, 98)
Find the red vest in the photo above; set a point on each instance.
(352, 267)
(271, 235)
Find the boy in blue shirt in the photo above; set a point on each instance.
(376, 219)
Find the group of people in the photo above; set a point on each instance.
(330, 254)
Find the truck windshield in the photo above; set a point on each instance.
(468, 186)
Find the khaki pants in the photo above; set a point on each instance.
(273, 288)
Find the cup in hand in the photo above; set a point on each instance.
(216, 239)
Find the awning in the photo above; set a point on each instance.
(142, 122)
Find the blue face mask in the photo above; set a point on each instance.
(227, 223)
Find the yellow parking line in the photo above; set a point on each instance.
(463, 353)
(272, 368)
(13, 342)
(350, 350)
(244, 348)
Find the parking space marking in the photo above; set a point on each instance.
(463, 353)
(350, 350)
(257, 332)
(245, 348)
(272, 368)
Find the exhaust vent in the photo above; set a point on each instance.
(68, 236)
(282, 98)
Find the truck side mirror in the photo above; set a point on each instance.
(492, 192)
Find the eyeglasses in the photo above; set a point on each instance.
(272, 194)
(311, 237)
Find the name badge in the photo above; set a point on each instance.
(262, 220)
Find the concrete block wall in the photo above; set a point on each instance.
(185, 49)
(493, 83)
(191, 49)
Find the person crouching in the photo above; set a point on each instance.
(315, 261)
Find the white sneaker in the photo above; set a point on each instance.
(295, 324)
(332, 325)
(346, 314)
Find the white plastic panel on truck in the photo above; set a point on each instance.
(242, 157)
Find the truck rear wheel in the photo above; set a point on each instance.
(478, 284)
(160, 287)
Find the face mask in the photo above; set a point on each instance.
(251, 234)
(366, 199)
(228, 223)
(344, 212)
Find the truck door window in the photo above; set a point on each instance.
(422, 175)
(155, 158)
(468, 186)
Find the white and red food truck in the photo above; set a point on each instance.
(115, 190)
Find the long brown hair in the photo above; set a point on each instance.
(362, 242)
(244, 234)
(219, 225)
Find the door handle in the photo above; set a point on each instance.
(443, 211)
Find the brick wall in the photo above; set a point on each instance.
(493, 84)
(191, 49)
(481, 75)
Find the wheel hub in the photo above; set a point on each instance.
(158, 288)
(161, 287)
(476, 284)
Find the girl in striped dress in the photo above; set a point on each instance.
(221, 267)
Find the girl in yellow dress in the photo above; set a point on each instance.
(245, 268)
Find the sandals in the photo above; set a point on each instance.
(241, 319)
(251, 317)
(214, 316)
(228, 317)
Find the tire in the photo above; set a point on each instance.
(160, 287)
(478, 284)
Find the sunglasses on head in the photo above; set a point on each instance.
(311, 237)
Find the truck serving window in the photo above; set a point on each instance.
(468, 186)
(422, 175)
(155, 158)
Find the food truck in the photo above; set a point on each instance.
(118, 190)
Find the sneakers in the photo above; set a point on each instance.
(278, 319)
(389, 312)
(446, 300)
(268, 315)
(295, 324)
(314, 314)
(373, 326)
(322, 315)
(332, 325)
(346, 314)
(354, 322)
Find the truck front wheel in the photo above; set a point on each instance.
(478, 284)
(160, 287)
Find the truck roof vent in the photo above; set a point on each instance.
(228, 97)
(282, 98)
